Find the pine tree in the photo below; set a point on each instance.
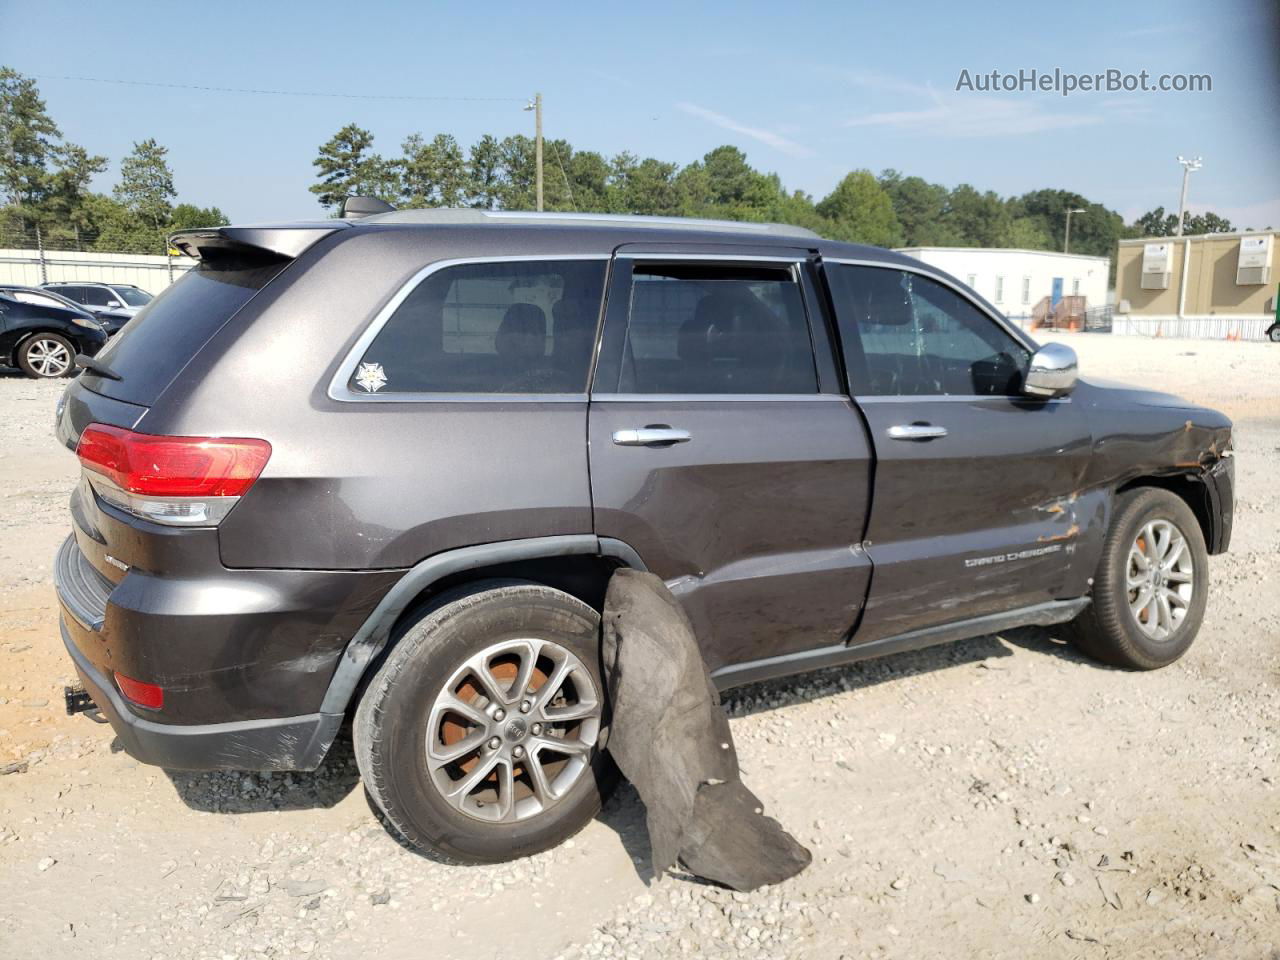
(348, 167)
(29, 143)
(146, 184)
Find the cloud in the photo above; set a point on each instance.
(1155, 31)
(951, 114)
(779, 143)
(974, 116)
(874, 80)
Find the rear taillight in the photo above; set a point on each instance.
(181, 481)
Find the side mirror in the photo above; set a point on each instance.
(1052, 372)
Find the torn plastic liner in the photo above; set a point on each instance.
(671, 739)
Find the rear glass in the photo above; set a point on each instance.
(157, 343)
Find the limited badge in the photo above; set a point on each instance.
(371, 377)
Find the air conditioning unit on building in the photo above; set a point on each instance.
(1155, 265)
(1254, 265)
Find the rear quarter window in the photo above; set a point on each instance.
(505, 327)
(156, 344)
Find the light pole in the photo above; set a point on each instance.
(1066, 242)
(536, 106)
(1188, 167)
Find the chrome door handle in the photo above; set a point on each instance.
(916, 431)
(648, 436)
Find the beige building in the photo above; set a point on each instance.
(1212, 285)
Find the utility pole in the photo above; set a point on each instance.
(1066, 243)
(1188, 167)
(536, 107)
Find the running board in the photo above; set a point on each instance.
(1040, 615)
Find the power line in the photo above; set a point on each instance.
(279, 93)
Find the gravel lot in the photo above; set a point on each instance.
(1001, 797)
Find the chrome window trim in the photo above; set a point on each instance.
(955, 397)
(716, 397)
(340, 390)
(746, 258)
(1017, 334)
(354, 397)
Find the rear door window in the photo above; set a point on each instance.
(506, 327)
(159, 341)
(711, 329)
(71, 293)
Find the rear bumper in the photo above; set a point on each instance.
(243, 671)
(288, 743)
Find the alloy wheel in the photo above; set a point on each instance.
(48, 358)
(1160, 579)
(512, 730)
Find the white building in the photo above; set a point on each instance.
(1016, 280)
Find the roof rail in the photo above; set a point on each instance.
(466, 215)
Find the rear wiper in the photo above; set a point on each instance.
(96, 366)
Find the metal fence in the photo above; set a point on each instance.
(34, 267)
(1106, 320)
(1194, 328)
(1099, 320)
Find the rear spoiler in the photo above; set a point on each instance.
(284, 240)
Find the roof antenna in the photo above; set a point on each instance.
(353, 208)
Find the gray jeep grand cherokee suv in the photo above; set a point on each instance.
(384, 468)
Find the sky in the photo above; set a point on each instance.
(809, 91)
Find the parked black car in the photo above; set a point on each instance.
(113, 303)
(409, 515)
(41, 332)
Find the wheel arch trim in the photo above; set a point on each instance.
(374, 633)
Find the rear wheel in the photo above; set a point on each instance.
(479, 737)
(1274, 333)
(1151, 585)
(46, 356)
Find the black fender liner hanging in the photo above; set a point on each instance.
(671, 739)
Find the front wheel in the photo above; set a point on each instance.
(1273, 334)
(1151, 585)
(480, 736)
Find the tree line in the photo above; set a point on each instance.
(889, 209)
(46, 183)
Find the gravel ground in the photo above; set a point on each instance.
(1000, 797)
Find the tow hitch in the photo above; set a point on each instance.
(78, 701)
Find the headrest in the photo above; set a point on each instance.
(524, 318)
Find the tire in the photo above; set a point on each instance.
(402, 715)
(1109, 630)
(47, 356)
(1273, 333)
